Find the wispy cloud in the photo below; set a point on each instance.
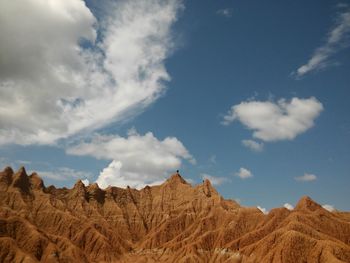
(212, 159)
(23, 162)
(274, 121)
(226, 12)
(337, 39)
(306, 178)
(253, 145)
(244, 173)
(3, 162)
(68, 87)
(215, 180)
(190, 180)
(65, 174)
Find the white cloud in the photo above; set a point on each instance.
(214, 179)
(253, 145)
(115, 175)
(337, 39)
(53, 87)
(85, 182)
(262, 209)
(288, 206)
(137, 160)
(329, 208)
(226, 12)
(306, 178)
(244, 173)
(271, 121)
(64, 174)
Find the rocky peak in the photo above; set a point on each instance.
(176, 179)
(22, 171)
(8, 170)
(174, 222)
(36, 182)
(93, 187)
(79, 189)
(79, 185)
(96, 193)
(306, 203)
(6, 177)
(21, 180)
(208, 189)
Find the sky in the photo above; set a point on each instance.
(252, 95)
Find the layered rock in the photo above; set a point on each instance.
(171, 222)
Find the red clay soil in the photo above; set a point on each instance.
(171, 222)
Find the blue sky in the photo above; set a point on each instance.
(252, 95)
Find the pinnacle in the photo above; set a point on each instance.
(6, 176)
(307, 203)
(176, 178)
(79, 185)
(36, 181)
(208, 188)
(21, 180)
(22, 171)
(8, 170)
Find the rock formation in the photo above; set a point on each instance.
(171, 222)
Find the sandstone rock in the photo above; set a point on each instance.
(171, 222)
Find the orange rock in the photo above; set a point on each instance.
(171, 222)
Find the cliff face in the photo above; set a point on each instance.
(172, 222)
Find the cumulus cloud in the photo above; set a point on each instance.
(273, 121)
(329, 208)
(65, 174)
(253, 145)
(262, 209)
(306, 178)
(57, 79)
(136, 160)
(244, 173)
(215, 180)
(114, 175)
(288, 206)
(337, 39)
(226, 12)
